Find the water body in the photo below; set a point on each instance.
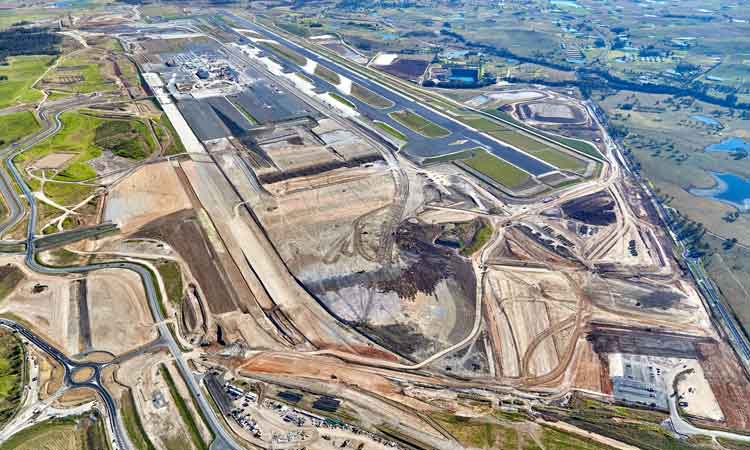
(730, 188)
(730, 145)
(707, 120)
(389, 36)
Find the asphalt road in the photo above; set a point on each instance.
(222, 441)
(419, 145)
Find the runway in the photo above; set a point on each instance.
(419, 146)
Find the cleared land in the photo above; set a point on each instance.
(497, 169)
(118, 293)
(22, 72)
(419, 124)
(14, 126)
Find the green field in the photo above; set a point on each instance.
(76, 136)
(342, 100)
(172, 277)
(367, 96)
(327, 74)
(10, 276)
(126, 138)
(12, 366)
(14, 126)
(80, 72)
(390, 130)
(521, 141)
(133, 423)
(287, 53)
(22, 72)
(175, 147)
(419, 124)
(70, 433)
(466, 154)
(187, 416)
(497, 169)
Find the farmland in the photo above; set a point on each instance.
(14, 126)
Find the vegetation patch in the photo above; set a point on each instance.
(14, 126)
(497, 169)
(327, 74)
(12, 367)
(392, 131)
(80, 433)
(10, 276)
(133, 423)
(419, 124)
(20, 73)
(287, 53)
(128, 139)
(175, 146)
(367, 96)
(342, 100)
(187, 416)
(172, 277)
(516, 138)
(480, 238)
(466, 154)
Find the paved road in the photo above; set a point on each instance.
(223, 440)
(419, 145)
(70, 366)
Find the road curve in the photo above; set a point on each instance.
(222, 439)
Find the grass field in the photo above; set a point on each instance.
(287, 53)
(419, 124)
(11, 374)
(14, 126)
(170, 273)
(581, 146)
(365, 95)
(126, 138)
(327, 74)
(532, 146)
(22, 72)
(466, 154)
(133, 423)
(390, 130)
(76, 136)
(81, 72)
(497, 169)
(341, 99)
(185, 413)
(175, 147)
(70, 433)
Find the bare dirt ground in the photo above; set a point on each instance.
(118, 293)
(728, 382)
(159, 415)
(54, 160)
(150, 192)
(48, 305)
(532, 309)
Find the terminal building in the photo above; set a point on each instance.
(638, 381)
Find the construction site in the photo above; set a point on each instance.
(327, 289)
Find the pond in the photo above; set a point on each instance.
(568, 3)
(730, 188)
(730, 145)
(707, 120)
